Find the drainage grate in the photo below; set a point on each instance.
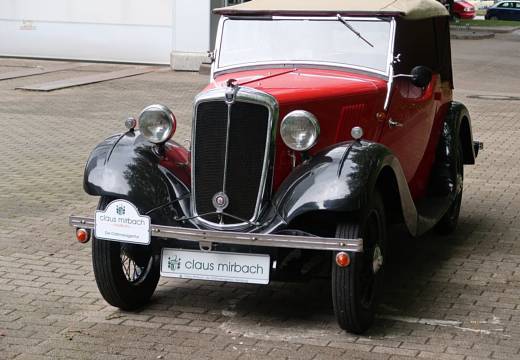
(495, 97)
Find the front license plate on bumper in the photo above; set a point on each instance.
(217, 266)
(121, 221)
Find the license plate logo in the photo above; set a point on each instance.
(217, 266)
(121, 221)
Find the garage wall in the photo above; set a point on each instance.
(114, 30)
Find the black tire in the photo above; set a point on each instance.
(450, 220)
(356, 289)
(126, 274)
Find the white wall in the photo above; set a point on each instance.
(107, 30)
(191, 25)
(191, 29)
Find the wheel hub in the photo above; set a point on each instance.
(377, 260)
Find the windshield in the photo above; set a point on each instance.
(346, 42)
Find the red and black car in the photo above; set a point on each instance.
(324, 122)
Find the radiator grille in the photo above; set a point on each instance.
(249, 126)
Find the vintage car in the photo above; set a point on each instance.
(324, 122)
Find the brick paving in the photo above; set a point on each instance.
(455, 297)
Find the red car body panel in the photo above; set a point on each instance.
(458, 10)
(177, 159)
(341, 100)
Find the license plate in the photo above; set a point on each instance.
(217, 266)
(121, 221)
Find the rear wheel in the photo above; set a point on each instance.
(126, 274)
(356, 288)
(450, 220)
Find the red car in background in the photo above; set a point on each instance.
(463, 10)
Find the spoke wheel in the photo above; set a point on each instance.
(356, 288)
(126, 275)
(134, 273)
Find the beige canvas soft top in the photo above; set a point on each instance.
(409, 9)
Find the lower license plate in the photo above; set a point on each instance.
(217, 266)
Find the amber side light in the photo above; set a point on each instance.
(342, 259)
(82, 235)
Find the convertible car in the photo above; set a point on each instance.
(323, 123)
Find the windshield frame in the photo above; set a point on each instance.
(216, 70)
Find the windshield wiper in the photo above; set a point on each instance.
(345, 22)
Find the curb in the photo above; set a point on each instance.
(490, 29)
(469, 35)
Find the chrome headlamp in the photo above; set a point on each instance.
(300, 130)
(157, 123)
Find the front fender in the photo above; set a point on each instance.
(340, 179)
(129, 167)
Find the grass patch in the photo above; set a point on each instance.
(486, 23)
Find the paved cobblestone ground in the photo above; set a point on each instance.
(455, 297)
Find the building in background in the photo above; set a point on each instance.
(176, 32)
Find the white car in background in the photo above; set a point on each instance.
(482, 4)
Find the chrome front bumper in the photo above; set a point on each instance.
(206, 237)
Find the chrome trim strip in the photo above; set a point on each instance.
(300, 63)
(300, 66)
(226, 154)
(237, 238)
(248, 95)
(390, 70)
(218, 42)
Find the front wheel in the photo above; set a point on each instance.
(356, 288)
(126, 274)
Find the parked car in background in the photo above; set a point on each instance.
(303, 151)
(463, 10)
(504, 10)
(481, 4)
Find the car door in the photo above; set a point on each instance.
(515, 11)
(410, 120)
(504, 11)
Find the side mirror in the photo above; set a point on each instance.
(421, 76)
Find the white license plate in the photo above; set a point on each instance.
(217, 266)
(121, 221)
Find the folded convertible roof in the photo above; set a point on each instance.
(409, 9)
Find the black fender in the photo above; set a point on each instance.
(340, 179)
(455, 132)
(127, 166)
(459, 122)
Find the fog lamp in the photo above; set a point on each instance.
(300, 130)
(157, 123)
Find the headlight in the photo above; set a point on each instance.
(300, 130)
(157, 123)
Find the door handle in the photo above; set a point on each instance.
(393, 124)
